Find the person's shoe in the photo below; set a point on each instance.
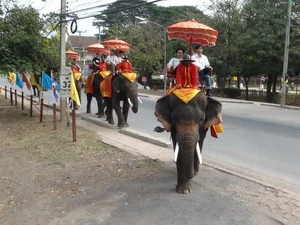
(208, 92)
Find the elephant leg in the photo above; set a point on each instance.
(184, 185)
(196, 159)
(109, 111)
(99, 106)
(89, 98)
(125, 112)
(116, 106)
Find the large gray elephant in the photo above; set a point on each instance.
(123, 89)
(188, 123)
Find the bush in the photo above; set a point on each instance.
(231, 92)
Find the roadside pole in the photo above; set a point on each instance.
(63, 100)
(286, 54)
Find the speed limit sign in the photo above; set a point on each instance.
(65, 82)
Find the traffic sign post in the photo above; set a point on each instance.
(65, 85)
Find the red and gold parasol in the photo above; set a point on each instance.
(97, 48)
(116, 44)
(72, 55)
(193, 32)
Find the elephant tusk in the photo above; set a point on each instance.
(198, 153)
(176, 152)
(140, 100)
(129, 102)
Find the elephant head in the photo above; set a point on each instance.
(126, 90)
(188, 123)
(123, 89)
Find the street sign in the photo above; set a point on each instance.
(64, 93)
(65, 82)
(67, 70)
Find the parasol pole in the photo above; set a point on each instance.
(165, 61)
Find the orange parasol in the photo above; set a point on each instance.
(72, 55)
(116, 44)
(97, 48)
(193, 32)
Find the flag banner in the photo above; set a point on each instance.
(263, 78)
(73, 91)
(55, 89)
(46, 81)
(26, 81)
(34, 82)
(11, 78)
(19, 81)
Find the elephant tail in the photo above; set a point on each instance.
(159, 129)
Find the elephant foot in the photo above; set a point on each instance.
(111, 122)
(126, 125)
(88, 111)
(100, 115)
(184, 188)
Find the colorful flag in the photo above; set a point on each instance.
(26, 81)
(55, 89)
(33, 82)
(73, 91)
(263, 78)
(19, 81)
(11, 78)
(46, 81)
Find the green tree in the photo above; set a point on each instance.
(23, 47)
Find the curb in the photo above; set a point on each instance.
(129, 132)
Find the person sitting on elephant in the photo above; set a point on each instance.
(187, 73)
(112, 60)
(125, 66)
(202, 62)
(95, 62)
(103, 65)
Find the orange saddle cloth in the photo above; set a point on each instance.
(106, 87)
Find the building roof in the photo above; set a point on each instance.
(81, 41)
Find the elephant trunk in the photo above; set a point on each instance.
(187, 137)
(134, 102)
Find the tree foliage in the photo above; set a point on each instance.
(23, 46)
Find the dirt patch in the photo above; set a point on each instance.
(43, 172)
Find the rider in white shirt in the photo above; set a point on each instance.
(112, 60)
(174, 62)
(203, 64)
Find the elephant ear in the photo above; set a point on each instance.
(213, 113)
(163, 113)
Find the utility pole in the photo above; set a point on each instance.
(82, 58)
(63, 100)
(286, 54)
(99, 31)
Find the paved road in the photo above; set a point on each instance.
(259, 138)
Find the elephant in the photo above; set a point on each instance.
(122, 89)
(93, 90)
(188, 123)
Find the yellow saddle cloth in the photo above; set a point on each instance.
(130, 76)
(186, 94)
(104, 73)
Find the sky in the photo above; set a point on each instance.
(84, 26)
